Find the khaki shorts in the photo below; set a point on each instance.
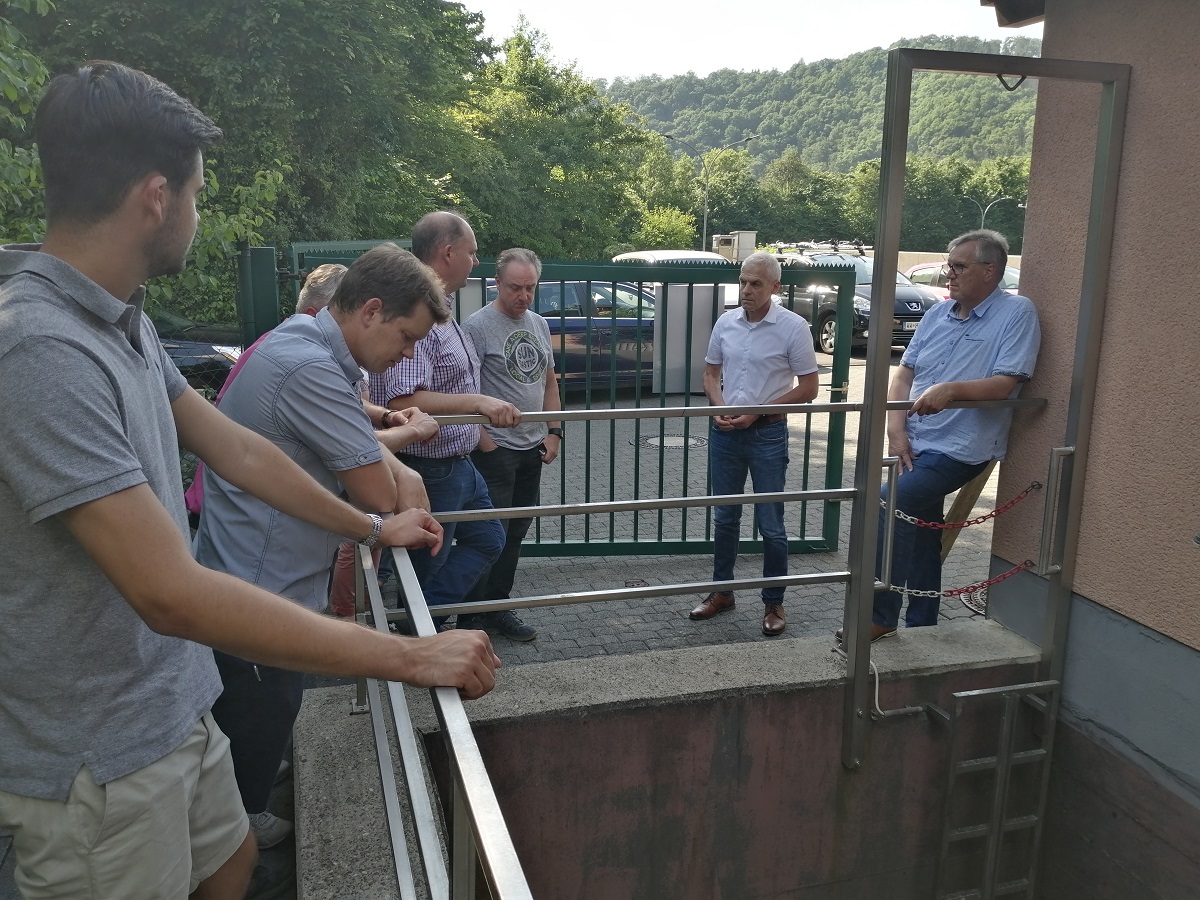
(154, 834)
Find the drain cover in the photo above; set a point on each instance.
(673, 442)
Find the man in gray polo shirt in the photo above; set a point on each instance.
(114, 779)
(300, 391)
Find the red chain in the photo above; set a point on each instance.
(913, 520)
(984, 585)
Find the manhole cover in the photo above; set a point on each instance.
(673, 442)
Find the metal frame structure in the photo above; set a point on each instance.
(1113, 80)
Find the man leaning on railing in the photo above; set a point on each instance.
(981, 344)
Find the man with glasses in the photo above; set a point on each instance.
(442, 378)
(980, 344)
(517, 360)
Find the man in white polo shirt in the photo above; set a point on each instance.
(759, 353)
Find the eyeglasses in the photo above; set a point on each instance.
(956, 268)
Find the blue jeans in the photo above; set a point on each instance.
(468, 548)
(917, 551)
(763, 454)
(514, 478)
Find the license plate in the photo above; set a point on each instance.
(910, 326)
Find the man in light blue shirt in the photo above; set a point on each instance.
(981, 344)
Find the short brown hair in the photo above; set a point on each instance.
(400, 280)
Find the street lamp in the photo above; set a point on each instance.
(704, 173)
(983, 210)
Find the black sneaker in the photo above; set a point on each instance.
(274, 877)
(506, 623)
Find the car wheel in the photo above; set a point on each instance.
(826, 334)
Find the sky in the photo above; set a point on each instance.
(630, 38)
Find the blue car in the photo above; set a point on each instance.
(602, 332)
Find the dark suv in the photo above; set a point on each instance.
(818, 304)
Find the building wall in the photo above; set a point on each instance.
(1136, 552)
(1126, 777)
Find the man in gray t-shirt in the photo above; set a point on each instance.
(517, 365)
(103, 610)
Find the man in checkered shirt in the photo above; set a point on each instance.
(442, 378)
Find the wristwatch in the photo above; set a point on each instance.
(557, 432)
(376, 527)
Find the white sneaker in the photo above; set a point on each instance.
(269, 829)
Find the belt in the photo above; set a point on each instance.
(768, 419)
(409, 458)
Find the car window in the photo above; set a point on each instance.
(549, 298)
(627, 301)
(923, 276)
(1011, 280)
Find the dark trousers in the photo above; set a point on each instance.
(514, 478)
(917, 551)
(256, 710)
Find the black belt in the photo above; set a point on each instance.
(768, 419)
(408, 458)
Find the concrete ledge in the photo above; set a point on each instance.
(342, 845)
(705, 673)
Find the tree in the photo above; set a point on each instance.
(347, 94)
(801, 203)
(665, 228)
(22, 76)
(552, 164)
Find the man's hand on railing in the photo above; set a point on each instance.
(412, 528)
(459, 659)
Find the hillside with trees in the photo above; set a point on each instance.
(831, 111)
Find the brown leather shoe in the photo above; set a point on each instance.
(774, 621)
(878, 633)
(714, 603)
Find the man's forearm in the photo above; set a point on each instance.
(436, 404)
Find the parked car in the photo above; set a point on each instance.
(203, 352)
(602, 332)
(819, 304)
(930, 275)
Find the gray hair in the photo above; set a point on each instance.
(990, 246)
(517, 255)
(765, 260)
(436, 230)
(319, 286)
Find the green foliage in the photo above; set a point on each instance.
(664, 228)
(551, 164)
(207, 288)
(831, 111)
(22, 76)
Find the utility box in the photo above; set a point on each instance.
(735, 247)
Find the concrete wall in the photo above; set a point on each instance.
(716, 772)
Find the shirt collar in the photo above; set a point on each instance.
(771, 315)
(17, 258)
(332, 333)
(983, 307)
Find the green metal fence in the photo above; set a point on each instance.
(633, 335)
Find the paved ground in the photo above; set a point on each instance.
(619, 463)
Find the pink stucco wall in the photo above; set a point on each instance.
(1142, 503)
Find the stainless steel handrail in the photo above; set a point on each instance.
(607, 506)
(686, 412)
(497, 855)
(1053, 483)
(424, 822)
